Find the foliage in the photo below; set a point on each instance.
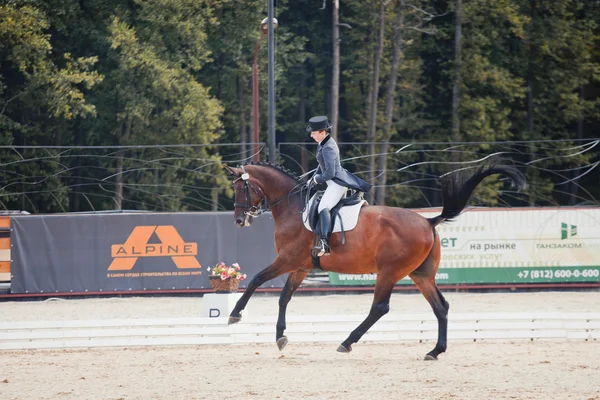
(121, 75)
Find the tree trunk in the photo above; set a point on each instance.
(374, 99)
(74, 204)
(302, 117)
(119, 182)
(335, 79)
(214, 194)
(530, 108)
(243, 125)
(390, 101)
(456, 136)
(574, 184)
(370, 64)
(530, 78)
(126, 131)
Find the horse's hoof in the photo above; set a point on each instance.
(233, 320)
(281, 342)
(429, 357)
(344, 349)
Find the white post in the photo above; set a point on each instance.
(219, 305)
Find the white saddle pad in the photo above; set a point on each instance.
(348, 214)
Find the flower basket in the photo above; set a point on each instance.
(226, 279)
(229, 285)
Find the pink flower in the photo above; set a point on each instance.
(231, 271)
(242, 277)
(222, 264)
(224, 275)
(236, 266)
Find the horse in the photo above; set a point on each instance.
(393, 242)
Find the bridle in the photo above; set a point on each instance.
(249, 209)
(263, 206)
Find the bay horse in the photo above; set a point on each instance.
(393, 242)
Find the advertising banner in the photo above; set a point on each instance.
(79, 253)
(544, 245)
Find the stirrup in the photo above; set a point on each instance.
(322, 249)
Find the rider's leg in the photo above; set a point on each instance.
(331, 197)
(333, 194)
(322, 248)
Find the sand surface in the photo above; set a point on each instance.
(390, 370)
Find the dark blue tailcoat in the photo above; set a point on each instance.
(330, 168)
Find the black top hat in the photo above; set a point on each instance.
(318, 123)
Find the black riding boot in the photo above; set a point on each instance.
(322, 247)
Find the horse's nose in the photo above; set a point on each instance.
(239, 221)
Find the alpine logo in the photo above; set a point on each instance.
(137, 245)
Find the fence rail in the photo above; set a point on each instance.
(308, 328)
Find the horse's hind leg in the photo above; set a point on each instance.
(293, 282)
(424, 278)
(440, 308)
(380, 307)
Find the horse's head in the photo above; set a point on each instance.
(250, 198)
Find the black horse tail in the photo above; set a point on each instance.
(458, 188)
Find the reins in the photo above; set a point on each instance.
(264, 205)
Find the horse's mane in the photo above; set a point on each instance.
(279, 168)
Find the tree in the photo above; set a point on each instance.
(456, 137)
(390, 98)
(335, 80)
(156, 96)
(41, 94)
(371, 134)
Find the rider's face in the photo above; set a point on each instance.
(318, 136)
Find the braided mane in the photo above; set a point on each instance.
(278, 167)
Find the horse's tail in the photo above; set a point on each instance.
(458, 188)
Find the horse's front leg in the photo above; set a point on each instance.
(293, 282)
(277, 268)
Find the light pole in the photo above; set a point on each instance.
(271, 97)
(264, 29)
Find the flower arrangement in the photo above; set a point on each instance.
(224, 271)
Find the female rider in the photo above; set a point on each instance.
(331, 172)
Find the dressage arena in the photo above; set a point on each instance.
(543, 368)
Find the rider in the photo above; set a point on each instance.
(331, 172)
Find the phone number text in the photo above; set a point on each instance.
(558, 273)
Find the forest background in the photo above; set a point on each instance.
(136, 104)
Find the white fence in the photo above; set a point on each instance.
(330, 328)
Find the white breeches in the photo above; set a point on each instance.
(333, 194)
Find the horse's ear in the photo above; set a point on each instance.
(232, 171)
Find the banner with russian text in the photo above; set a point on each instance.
(125, 252)
(543, 245)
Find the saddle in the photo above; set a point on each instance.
(346, 213)
(344, 216)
